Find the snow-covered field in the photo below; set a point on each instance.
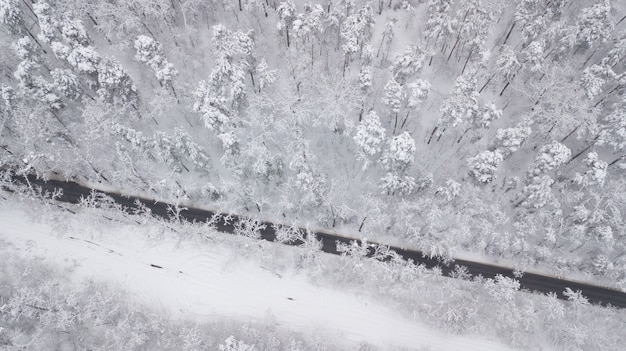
(207, 282)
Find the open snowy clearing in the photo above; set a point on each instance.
(208, 282)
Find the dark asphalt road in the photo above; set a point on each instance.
(73, 192)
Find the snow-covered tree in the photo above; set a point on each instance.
(74, 32)
(393, 96)
(114, 82)
(613, 133)
(286, 11)
(462, 105)
(386, 40)
(592, 81)
(309, 24)
(532, 55)
(485, 115)
(472, 26)
(538, 193)
(507, 66)
(549, 157)
(43, 91)
(232, 344)
(67, 83)
(502, 289)
(395, 184)
(417, 93)
(150, 52)
(224, 91)
(450, 190)
(8, 96)
(84, 59)
(441, 23)
(26, 49)
(369, 137)
(399, 153)
(397, 158)
(510, 140)
(365, 79)
(484, 165)
(596, 173)
(408, 64)
(594, 24)
(212, 107)
(47, 24)
(356, 31)
(265, 75)
(60, 50)
(10, 14)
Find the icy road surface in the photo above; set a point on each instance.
(202, 283)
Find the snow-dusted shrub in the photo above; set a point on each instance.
(248, 227)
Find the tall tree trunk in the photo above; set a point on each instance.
(617, 160)
(505, 86)
(583, 150)
(431, 135)
(570, 133)
(467, 60)
(458, 38)
(485, 85)
(509, 33)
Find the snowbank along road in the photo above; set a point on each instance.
(73, 192)
(200, 283)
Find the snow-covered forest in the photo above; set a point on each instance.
(485, 129)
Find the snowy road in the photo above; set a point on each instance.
(204, 283)
(531, 281)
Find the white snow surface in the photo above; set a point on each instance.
(205, 283)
